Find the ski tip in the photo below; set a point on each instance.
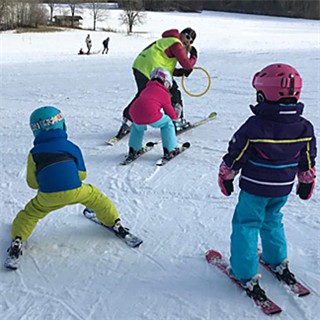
(150, 144)
(304, 293)
(10, 268)
(212, 114)
(88, 213)
(212, 254)
(138, 244)
(186, 145)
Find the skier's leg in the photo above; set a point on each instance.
(136, 136)
(141, 82)
(176, 98)
(273, 239)
(168, 134)
(36, 209)
(175, 94)
(94, 199)
(246, 223)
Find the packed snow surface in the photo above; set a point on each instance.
(73, 269)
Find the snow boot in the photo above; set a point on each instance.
(124, 129)
(253, 289)
(14, 254)
(119, 230)
(171, 154)
(283, 273)
(181, 124)
(133, 154)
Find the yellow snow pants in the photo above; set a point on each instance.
(43, 203)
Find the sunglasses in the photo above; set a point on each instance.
(187, 35)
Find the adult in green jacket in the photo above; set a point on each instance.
(166, 52)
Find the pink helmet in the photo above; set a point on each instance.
(277, 81)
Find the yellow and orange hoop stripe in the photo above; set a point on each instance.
(197, 94)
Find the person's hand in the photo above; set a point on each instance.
(179, 72)
(182, 72)
(193, 52)
(225, 179)
(306, 183)
(187, 72)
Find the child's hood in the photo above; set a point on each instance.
(155, 85)
(171, 33)
(48, 136)
(278, 112)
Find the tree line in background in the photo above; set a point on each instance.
(309, 9)
(31, 13)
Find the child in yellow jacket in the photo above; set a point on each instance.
(56, 169)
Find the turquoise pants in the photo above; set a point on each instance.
(168, 133)
(254, 216)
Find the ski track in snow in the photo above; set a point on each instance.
(74, 269)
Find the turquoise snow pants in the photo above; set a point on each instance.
(256, 215)
(168, 133)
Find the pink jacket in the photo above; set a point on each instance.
(146, 108)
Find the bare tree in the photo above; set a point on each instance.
(72, 5)
(132, 13)
(37, 15)
(22, 13)
(4, 14)
(98, 12)
(51, 4)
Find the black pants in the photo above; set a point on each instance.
(141, 81)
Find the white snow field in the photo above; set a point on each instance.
(73, 269)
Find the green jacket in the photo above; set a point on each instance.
(154, 56)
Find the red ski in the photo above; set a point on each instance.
(297, 288)
(267, 306)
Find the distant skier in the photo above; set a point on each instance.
(270, 149)
(105, 46)
(56, 169)
(166, 52)
(88, 43)
(147, 110)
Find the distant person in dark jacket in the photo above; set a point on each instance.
(270, 149)
(105, 46)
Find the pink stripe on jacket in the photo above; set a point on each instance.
(146, 109)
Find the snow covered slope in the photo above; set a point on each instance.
(73, 269)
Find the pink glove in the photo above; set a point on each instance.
(306, 183)
(225, 179)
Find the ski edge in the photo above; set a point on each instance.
(132, 241)
(147, 147)
(112, 141)
(298, 288)
(215, 258)
(185, 146)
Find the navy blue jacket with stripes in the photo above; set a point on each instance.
(270, 148)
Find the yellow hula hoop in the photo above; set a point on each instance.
(197, 94)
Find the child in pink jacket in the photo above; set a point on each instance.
(153, 107)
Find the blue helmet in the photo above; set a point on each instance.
(45, 119)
